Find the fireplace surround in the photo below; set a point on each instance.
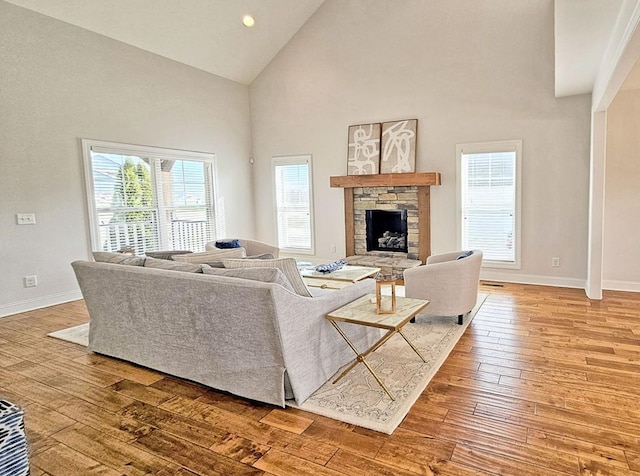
(410, 192)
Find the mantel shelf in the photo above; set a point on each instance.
(425, 179)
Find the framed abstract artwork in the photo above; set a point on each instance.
(398, 147)
(363, 152)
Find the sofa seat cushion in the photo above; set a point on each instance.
(267, 275)
(172, 265)
(118, 258)
(212, 257)
(287, 265)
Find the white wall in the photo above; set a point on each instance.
(470, 72)
(60, 83)
(621, 255)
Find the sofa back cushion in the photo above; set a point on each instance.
(267, 275)
(166, 254)
(118, 258)
(172, 265)
(287, 265)
(212, 258)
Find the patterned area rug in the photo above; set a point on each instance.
(77, 334)
(359, 400)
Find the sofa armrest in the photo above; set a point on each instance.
(313, 350)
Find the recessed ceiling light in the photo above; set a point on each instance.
(248, 21)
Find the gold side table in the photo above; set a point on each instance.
(362, 312)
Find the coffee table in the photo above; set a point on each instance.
(339, 278)
(362, 312)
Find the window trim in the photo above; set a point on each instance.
(483, 147)
(89, 145)
(294, 160)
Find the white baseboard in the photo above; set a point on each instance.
(38, 303)
(533, 279)
(613, 285)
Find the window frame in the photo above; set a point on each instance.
(487, 147)
(294, 160)
(160, 153)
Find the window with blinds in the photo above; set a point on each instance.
(489, 198)
(293, 202)
(148, 199)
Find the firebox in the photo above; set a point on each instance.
(386, 230)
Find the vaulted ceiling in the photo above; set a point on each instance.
(209, 34)
(206, 34)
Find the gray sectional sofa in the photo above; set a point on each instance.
(254, 339)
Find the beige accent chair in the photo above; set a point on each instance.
(450, 284)
(252, 248)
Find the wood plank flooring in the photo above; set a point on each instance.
(543, 382)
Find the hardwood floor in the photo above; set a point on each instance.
(543, 381)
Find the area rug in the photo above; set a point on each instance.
(77, 334)
(359, 400)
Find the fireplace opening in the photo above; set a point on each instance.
(386, 230)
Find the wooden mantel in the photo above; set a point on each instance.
(421, 180)
(386, 180)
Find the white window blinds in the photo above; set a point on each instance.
(489, 198)
(146, 199)
(294, 214)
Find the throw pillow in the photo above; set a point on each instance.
(287, 265)
(464, 255)
(118, 258)
(208, 257)
(224, 244)
(172, 265)
(166, 254)
(267, 275)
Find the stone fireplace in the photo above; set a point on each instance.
(396, 210)
(406, 196)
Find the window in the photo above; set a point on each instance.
(489, 201)
(146, 198)
(293, 203)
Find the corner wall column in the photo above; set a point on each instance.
(596, 204)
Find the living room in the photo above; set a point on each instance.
(473, 72)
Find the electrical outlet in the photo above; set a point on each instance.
(30, 281)
(555, 262)
(333, 248)
(26, 218)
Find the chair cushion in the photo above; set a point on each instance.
(118, 258)
(287, 265)
(267, 275)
